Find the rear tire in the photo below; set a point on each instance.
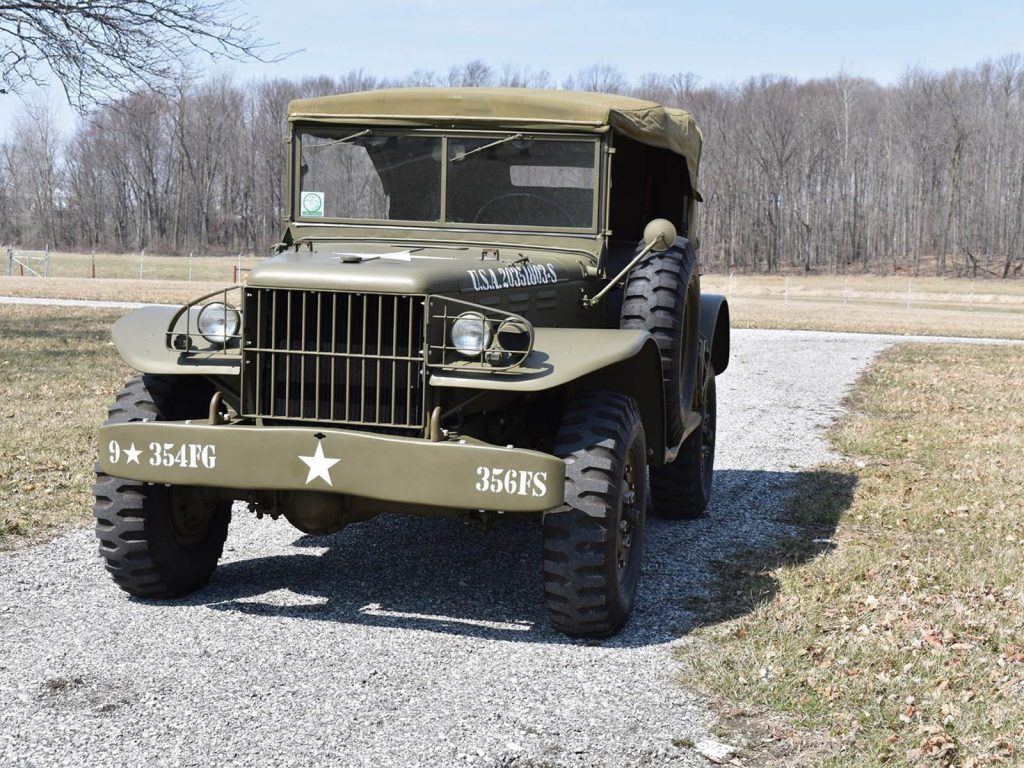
(158, 541)
(593, 544)
(682, 490)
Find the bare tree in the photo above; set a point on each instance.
(98, 49)
(515, 76)
(841, 173)
(602, 78)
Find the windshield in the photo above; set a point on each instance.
(370, 177)
(543, 183)
(501, 180)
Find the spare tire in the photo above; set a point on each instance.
(661, 295)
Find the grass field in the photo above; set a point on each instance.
(136, 266)
(143, 291)
(869, 304)
(895, 633)
(59, 372)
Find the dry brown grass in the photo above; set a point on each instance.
(126, 266)
(902, 642)
(142, 291)
(866, 303)
(59, 372)
(812, 315)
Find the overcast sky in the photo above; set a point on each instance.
(718, 41)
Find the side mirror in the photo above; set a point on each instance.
(660, 235)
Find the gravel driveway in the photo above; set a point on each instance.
(402, 642)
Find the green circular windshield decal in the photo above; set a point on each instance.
(312, 203)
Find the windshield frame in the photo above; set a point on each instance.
(346, 129)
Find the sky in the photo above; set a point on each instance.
(721, 42)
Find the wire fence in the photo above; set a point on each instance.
(128, 266)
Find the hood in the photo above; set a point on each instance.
(412, 270)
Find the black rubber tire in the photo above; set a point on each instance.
(682, 490)
(140, 526)
(591, 562)
(661, 295)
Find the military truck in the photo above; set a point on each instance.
(486, 305)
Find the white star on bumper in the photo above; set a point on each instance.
(319, 465)
(132, 454)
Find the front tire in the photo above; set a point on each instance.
(158, 541)
(593, 544)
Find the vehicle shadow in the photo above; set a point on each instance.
(440, 576)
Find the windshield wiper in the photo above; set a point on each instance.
(513, 137)
(367, 132)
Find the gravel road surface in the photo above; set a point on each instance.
(403, 642)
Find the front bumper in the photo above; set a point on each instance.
(456, 475)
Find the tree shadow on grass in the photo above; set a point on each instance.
(440, 576)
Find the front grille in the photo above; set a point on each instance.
(341, 358)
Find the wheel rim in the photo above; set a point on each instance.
(191, 512)
(629, 515)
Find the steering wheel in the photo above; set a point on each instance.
(571, 222)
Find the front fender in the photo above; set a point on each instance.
(626, 361)
(559, 356)
(141, 341)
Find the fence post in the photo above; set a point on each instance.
(908, 293)
(787, 291)
(972, 295)
(142, 260)
(10, 260)
(46, 260)
(846, 290)
(190, 266)
(93, 262)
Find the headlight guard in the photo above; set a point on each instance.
(467, 336)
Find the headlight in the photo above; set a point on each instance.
(514, 335)
(218, 322)
(471, 334)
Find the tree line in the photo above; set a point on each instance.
(835, 174)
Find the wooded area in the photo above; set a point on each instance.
(837, 174)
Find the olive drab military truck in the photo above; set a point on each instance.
(486, 305)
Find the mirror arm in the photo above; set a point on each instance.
(592, 301)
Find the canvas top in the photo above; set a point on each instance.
(515, 108)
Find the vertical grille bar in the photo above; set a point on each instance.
(303, 321)
(348, 360)
(378, 351)
(394, 351)
(316, 360)
(288, 359)
(273, 358)
(365, 307)
(334, 345)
